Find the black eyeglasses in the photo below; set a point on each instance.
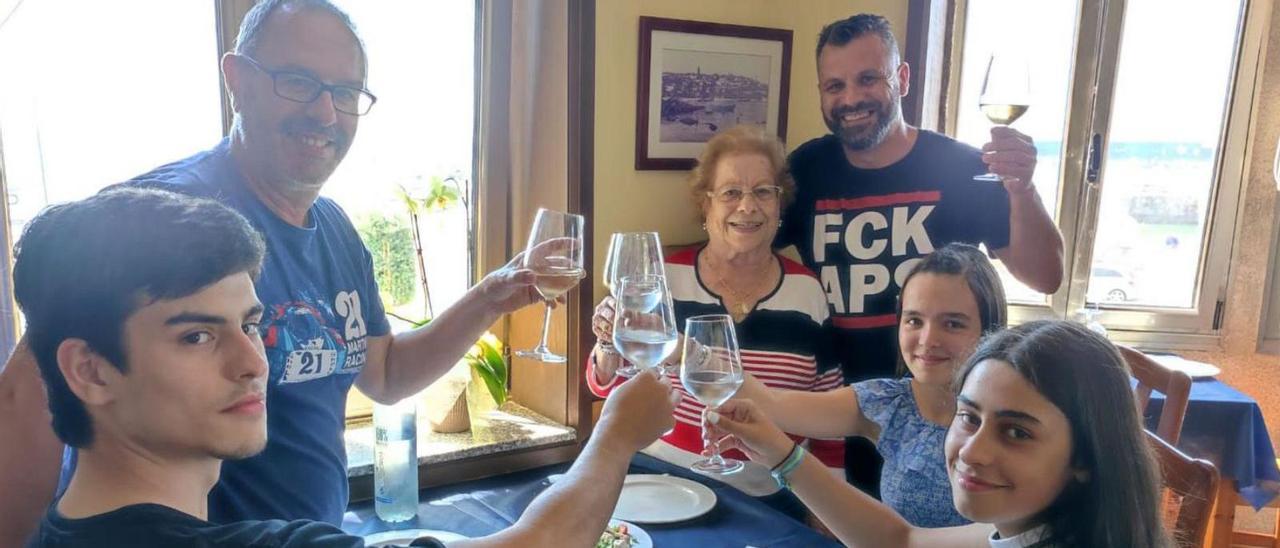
(301, 88)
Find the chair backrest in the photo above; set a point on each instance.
(1188, 488)
(1175, 385)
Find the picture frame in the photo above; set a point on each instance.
(696, 78)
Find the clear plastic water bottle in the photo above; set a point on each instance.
(395, 461)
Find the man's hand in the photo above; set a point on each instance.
(1012, 156)
(639, 411)
(509, 288)
(747, 429)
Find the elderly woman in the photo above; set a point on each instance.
(740, 188)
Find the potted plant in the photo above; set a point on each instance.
(488, 386)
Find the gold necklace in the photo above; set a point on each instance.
(744, 298)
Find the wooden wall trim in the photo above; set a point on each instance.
(925, 49)
(581, 109)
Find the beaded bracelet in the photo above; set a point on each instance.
(787, 466)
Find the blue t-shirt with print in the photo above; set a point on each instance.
(321, 306)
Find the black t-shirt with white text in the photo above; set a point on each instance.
(862, 230)
(141, 525)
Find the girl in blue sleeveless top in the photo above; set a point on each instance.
(948, 301)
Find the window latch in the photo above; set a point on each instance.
(1095, 158)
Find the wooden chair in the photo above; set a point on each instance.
(1189, 487)
(1246, 538)
(1175, 385)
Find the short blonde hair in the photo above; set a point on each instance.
(743, 139)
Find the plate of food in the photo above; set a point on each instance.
(620, 534)
(654, 498)
(1193, 369)
(403, 537)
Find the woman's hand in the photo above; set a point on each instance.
(607, 361)
(743, 426)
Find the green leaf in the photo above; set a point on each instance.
(409, 202)
(486, 360)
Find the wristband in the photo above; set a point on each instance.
(787, 466)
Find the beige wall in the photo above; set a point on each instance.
(630, 200)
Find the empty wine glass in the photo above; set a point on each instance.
(711, 370)
(554, 254)
(630, 254)
(644, 324)
(1006, 94)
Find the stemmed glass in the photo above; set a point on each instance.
(1006, 94)
(554, 254)
(711, 370)
(644, 322)
(630, 254)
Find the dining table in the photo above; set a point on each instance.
(484, 506)
(1226, 427)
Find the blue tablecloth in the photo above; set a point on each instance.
(1226, 428)
(486, 506)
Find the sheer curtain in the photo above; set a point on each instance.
(522, 164)
(8, 308)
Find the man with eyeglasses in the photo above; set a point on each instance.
(297, 85)
(876, 195)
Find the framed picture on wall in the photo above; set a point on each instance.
(696, 79)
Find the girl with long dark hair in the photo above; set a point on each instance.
(1046, 449)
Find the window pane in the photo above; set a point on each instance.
(419, 136)
(1167, 118)
(96, 98)
(1044, 32)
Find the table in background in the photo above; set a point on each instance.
(485, 506)
(1226, 428)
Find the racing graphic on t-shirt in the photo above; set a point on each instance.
(302, 343)
(864, 246)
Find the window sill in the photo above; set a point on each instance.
(512, 428)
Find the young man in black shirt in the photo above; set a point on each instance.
(876, 194)
(143, 319)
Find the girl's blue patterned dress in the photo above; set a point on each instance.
(914, 479)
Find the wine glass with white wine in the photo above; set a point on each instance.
(644, 322)
(554, 254)
(1006, 94)
(711, 370)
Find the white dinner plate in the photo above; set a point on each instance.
(405, 536)
(1197, 370)
(652, 498)
(639, 537)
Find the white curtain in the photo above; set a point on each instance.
(522, 163)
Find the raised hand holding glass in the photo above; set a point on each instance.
(1006, 94)
(554, 254)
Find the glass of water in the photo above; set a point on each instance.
(711, 370)
(644, 323)
(630, 254)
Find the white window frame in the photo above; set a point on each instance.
(1099, 28)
